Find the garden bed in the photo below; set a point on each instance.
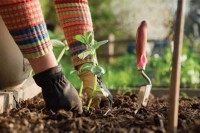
(32, 116)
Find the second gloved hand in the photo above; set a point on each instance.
(88, 83)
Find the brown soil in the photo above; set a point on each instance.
(32, 116)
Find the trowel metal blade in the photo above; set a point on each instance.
(106, 92)
(104, 89)
(143, 95)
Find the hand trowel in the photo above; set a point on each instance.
(141, 41)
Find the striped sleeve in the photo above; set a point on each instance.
(25, 22)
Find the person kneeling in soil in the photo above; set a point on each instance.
(25, 22)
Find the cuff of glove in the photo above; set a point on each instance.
(50, 74)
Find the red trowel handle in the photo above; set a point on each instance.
(141, 41)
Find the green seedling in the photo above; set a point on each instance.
(81, 87)
(57, 44)
(95, 68)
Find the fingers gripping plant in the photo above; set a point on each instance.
(95, 68)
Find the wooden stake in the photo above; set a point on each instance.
(176, 68)
(111, 48)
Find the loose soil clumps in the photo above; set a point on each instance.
(31, 116)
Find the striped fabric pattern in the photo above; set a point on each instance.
(25, 22)
(75, 18)
(5, 2)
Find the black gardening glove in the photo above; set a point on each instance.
(57, 91)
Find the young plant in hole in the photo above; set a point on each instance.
(94, 67)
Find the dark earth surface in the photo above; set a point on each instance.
(31, 116)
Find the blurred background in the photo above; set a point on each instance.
(117, 21)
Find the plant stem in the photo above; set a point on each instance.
(89, 103)
(94, 90)
(95, 83)
(61, 54)
(95, 76)
(81, 89)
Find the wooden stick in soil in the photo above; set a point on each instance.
(176, 68)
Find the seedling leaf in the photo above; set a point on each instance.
(88, 36)
(98, 44)
(98, 70)
(86, 67)
(87, 33)
(66, 48)
(80, 38)
(73, 71)
(57, 43)
(84, 54)
(92, 51)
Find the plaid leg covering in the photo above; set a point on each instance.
(75, 18)
(25, 22)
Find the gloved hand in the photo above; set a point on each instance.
(57, 91)
(88, 83)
